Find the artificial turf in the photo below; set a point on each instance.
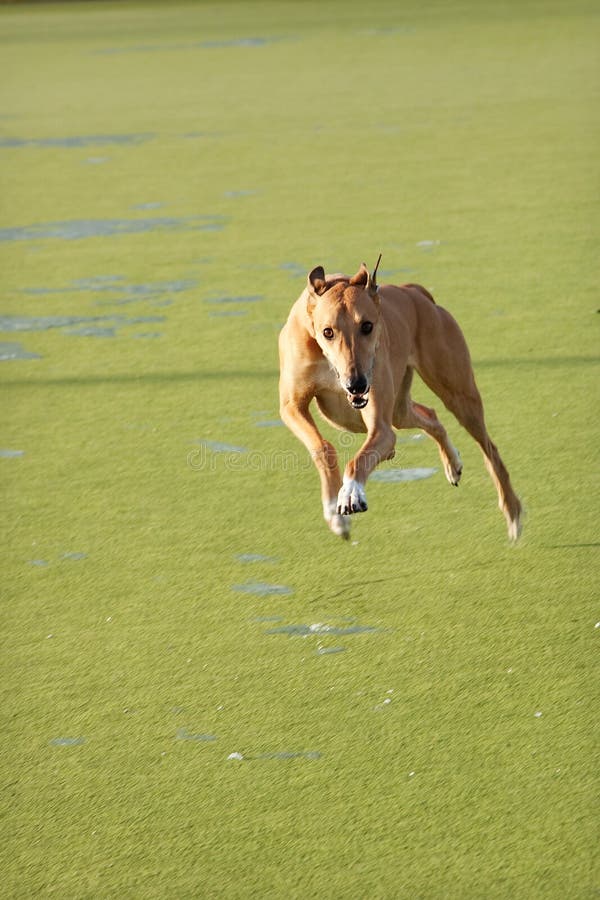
(205, 693)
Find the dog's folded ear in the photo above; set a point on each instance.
(362, 276)
(365, 279)
(316, 281)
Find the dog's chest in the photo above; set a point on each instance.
(334, 407)
(332, 400)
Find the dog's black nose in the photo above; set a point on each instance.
(357, 385)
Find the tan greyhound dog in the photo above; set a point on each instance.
(352, 346)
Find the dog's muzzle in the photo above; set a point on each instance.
(358, 401)
(357, 389)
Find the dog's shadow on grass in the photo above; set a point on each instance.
(571, 546)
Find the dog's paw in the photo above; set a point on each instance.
(515, 525)
(340, 526)
(453, 467)
(351, 498)
(337, 523)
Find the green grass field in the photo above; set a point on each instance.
(205, 693)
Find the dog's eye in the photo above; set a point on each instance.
(328, 333)
(366, 327)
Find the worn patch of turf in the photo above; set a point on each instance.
(205, 694)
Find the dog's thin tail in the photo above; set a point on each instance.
(374, 275)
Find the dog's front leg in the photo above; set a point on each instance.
(298, 419)
(378, 446)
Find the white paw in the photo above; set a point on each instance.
(453, 467)
(338, 524)
(515, 526)
(351, 498)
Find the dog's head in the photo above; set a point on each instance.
(345, 318)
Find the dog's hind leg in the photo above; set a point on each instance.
(445, 367)
(469, 412)
(408, 414)
(468, 409)
(415, 415)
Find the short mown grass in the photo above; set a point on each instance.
(414, 709)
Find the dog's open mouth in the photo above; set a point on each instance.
(358, 401)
